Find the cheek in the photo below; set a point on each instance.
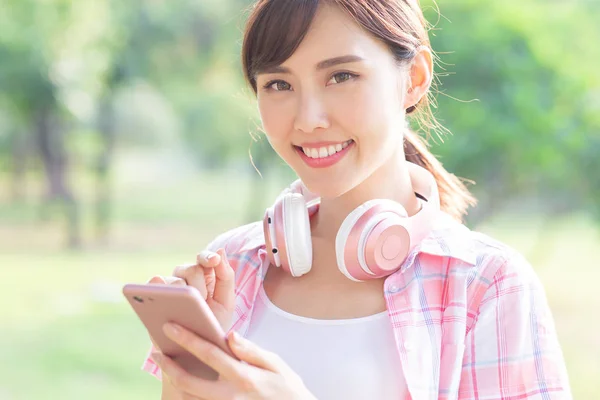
(371, 113)
(275, 120)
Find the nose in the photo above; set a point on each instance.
(311, 114)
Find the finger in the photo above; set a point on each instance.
(228, 367)
(249, 352)
(173, 280)
(224, 292)
(166, 280)
(181, 270)
(192, 386)
(193, 276)
(156, 280)
(208, 259)
(210, 280)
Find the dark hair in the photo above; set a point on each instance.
(275, 29)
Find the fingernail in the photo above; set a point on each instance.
(212, 256)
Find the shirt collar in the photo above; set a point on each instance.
(449, 238)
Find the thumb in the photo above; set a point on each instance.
(249, 352)
(166, 280)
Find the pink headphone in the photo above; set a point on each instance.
(372, 242)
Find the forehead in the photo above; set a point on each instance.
(334, 33)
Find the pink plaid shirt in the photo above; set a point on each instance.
(469, 314)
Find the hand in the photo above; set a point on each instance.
(213, 277)
(264, 375)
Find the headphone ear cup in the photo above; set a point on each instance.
(298, 240)
(270, 236)
(372, 241)
(341, 246)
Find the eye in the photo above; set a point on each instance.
(278, 85)
(341, 77)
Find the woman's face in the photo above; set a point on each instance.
(333, 111)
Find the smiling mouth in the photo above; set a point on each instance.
(324, 151)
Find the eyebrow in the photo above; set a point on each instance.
(330, 62)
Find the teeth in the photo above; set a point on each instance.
(327, 151)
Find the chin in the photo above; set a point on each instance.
(327, 188)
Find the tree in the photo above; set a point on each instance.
(534, 123)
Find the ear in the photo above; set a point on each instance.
(420, 77)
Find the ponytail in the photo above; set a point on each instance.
(455, 198)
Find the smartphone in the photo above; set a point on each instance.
(157, 304)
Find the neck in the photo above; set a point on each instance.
(391, 181)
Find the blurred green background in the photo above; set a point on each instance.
(126, 134)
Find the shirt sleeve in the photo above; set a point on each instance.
(150, 366)
(512, 349)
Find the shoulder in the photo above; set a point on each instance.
(494, 299)
(476, 256)
(458, 265)
(240, 238)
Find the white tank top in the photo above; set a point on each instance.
(348, 359)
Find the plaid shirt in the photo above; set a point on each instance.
(469, 314)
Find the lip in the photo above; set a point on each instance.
(326, 161)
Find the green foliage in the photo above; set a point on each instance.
(534, 127)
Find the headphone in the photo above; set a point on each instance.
(373, 240)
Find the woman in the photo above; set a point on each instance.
(350, 298)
